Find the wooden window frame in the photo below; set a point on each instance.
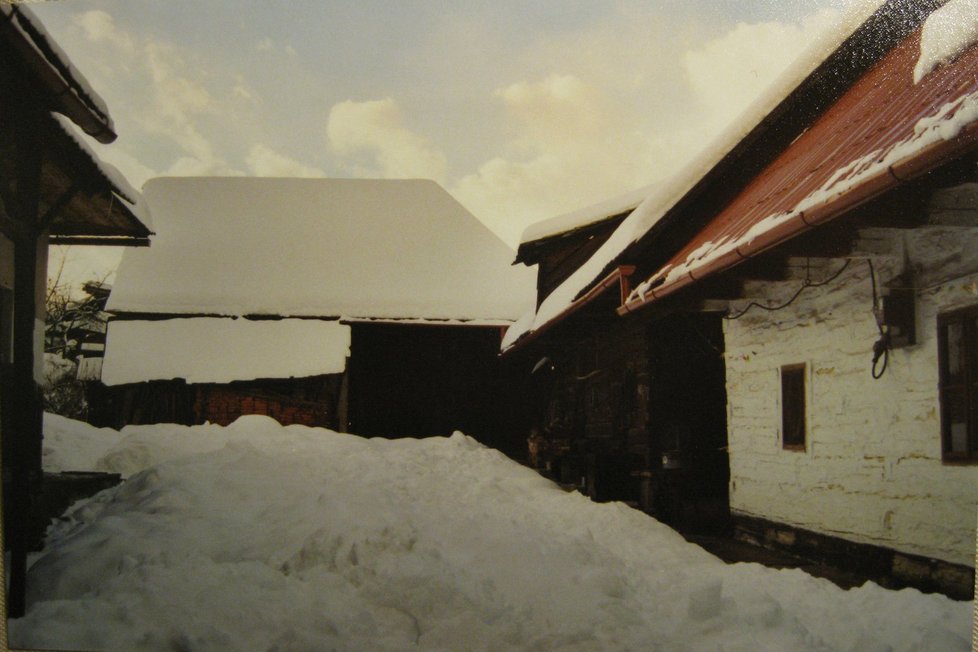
(794, 407)
(967, 387)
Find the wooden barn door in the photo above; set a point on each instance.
(419, 380)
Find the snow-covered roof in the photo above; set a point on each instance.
(221, 350)
(667, 194)
(56, 68)
(355, 248)
(122, 190)
(947, 32)
(827, 170)
(587, 216)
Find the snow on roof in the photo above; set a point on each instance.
(216, 350)
(943, 126)
(585, 216)
(356, 248)
(948, 32)
(665, 195)
(121, 188)
(32, 32)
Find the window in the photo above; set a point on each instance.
(793, 407)
(957, 341)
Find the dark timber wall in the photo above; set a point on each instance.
(308, 401)
(419, 380)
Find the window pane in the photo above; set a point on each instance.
(956, 421)
(954, 341)
(793, 406)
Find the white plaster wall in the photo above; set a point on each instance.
(871, 471)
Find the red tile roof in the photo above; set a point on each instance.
(883, 131)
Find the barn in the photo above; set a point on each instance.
(825, 251)
(368, 306)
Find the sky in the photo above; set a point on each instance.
(521, 110)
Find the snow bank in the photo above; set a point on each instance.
(947, 32)
(211, 350)
(57, 369)
(74, 446)
(296, 538)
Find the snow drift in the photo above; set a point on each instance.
(263, 537)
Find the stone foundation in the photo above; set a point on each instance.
(886, 567)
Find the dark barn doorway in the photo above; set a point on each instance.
(410, 380)
(688, 422)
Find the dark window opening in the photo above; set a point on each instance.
(957, 341)
(793, 407)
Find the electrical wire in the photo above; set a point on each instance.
(807, 284)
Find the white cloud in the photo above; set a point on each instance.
(185, 111)
(266, 162)
(729, 72)
(559, 107)
(99, 26)
(517, 130)
(570, 148)
(376, 129)
(614, 125)
(189, 166)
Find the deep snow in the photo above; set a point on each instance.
(353, 248)
(262, 537)
(216, 350)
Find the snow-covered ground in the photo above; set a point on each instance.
(263, 537)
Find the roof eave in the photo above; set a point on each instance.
(66, 94)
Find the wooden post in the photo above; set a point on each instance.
(24, 444)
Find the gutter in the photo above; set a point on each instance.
(620, 276)
(67, 97)
(888, 179)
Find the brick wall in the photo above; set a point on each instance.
(871, 471)
(222, 404)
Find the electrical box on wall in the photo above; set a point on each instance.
(900, 317)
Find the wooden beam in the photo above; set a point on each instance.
(955, 206)
(762, 268)
(55, 209)
(104, 241)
